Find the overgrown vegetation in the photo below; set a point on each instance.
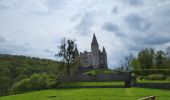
(35, 82)
(155, 77)
(151, 65)
(146, 72)
(20, 73)
(151, 59)
(68, 55)
(98, 71)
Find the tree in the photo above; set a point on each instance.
(159, 58)
(128, 60)
(67, 54)
(5, 80)
(145, 58)
(135, 63)
(15, 70)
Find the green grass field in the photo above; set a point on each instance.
(91, 94)
(153, 81)
(91, 83)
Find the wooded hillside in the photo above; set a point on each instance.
(16, 69)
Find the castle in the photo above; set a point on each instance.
(94, 59)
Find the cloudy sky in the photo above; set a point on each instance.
(35, 27)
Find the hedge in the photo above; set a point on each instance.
(146, 72)
(155, 77)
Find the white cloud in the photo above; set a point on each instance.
(35, 27)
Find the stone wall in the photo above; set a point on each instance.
(153, 85)
(96, 78)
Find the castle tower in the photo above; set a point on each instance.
(95, 52)
(105, 58)
(76, 50)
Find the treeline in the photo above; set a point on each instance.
(150, 59)
(20, 73)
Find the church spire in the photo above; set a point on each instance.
(94, 41)
(76, 50)
(104, 51)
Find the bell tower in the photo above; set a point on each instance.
(95, 52)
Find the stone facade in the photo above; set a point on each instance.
(94, 59)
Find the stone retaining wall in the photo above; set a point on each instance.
(154, 85)
(97, 78)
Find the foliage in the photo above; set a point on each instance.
(146, 72)
(155, 77)
(35, 82)
(160, 58)
(135, 63)
(151, 59)
(153, 81)
(166, 64)
(128, 60)
(145, 58)
(68, 54)
(98, 71)
(5, 80)
(13, 69)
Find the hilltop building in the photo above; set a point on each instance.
(95, 59)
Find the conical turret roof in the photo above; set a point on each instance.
(76, 50)
(104, 50)
(94, 41)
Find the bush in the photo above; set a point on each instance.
(155, 77)
(20, 86)
(98, 71)
(146, 72)
(140, 77)
(35, 82)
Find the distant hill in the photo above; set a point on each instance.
(14, 68)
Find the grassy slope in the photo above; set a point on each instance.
(92, 94)
(98, 71)
(153, 81)
(91, 83)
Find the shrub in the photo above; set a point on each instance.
(140, 77)
(98, 71)
(146, 72)
(20, 86)
(155, 77)
(35, 82)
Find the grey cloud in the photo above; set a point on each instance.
(49, 51)
(110, 27)
(26, 44)
(55, 3)
(12, 48)
(150, 40)
(4, 5)
(5, 51)
(164, 11)
(134, 2)
(137, 35)
(137, 23)
(156, 40)
(9, 4)
(87, 21)
(162, 19)
(113, 28)
(2, 39)
(115, 10)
